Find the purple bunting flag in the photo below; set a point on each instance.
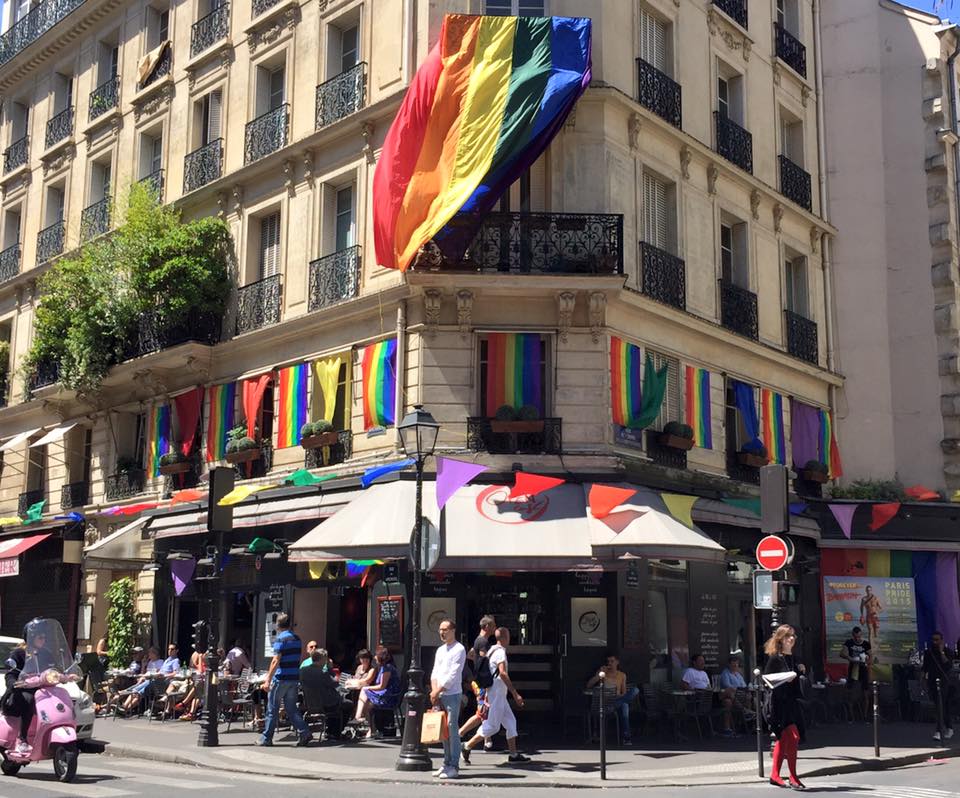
(453, 475)
(844, 515)
(182, 572)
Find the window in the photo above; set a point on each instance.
(343, 44)
(795, 279)
(344, 220)
(99, 181)
(19, 119)
(736, 433)
(276, 88)
(341, 410)
(54, 211)
(208, 118)
(11, 227)
(734, 265)
(270, 245)
(36, 468)
(730, 94)
(653, 41)
(528, 192)
(349, 48)
(62, 92)
(140, 439)
(77, 451)
(791, 137)
(788, 16)
(515, 8)
(672, 407)
(484, 371)
(108, 62)
(151, 153)
(655, 212)
(266, 414)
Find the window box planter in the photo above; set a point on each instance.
(243, 456)
(752, 460)
(321, 440)
(501, 427)
(176, 468)
(675, 441)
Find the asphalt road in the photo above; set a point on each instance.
(111, 777)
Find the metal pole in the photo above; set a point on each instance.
(758, 692)
(413, 754)
(939, 708)
(876, 721)
(603, 728)
(209, 735)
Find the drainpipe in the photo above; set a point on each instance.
(824, 212)
(951, 70)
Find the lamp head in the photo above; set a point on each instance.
(418, 433)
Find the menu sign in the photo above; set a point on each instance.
(707, 620)
(390, 622)
(632, 621)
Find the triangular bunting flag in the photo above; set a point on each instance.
(34, 512)
(680, 506)
(750, 505)
(371, 474)
(532, 484)
(303, 478)
(620, 521)
(603, 498)
(241, 492)
(182, 572)
(453, 475)
(11, 520)
(922, 494)
(317, 569)
(188, 495)
(798, 508)
(882, 514)
(844, 515)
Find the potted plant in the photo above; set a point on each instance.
(815, 471)
(527, 419)
(316, 434)
(241, 448)
(755, 458)
(174, 463)
(677, 436)
(126, 465)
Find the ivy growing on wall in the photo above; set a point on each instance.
(121, 621)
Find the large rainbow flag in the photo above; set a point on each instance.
(220, 421)
(483, 106)
(625, 375)
(771, 411)
(513, 371)
(158, 438)
(698, 406)
(292, 413)
(829, 451)
(378, 368)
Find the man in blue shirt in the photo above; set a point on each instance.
(731, 680)
(283, 679)
(172, 663)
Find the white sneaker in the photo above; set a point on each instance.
(948, 734)
(449, 773)
(23, 747)
(439, 772)
(488, 745)
(936, 735)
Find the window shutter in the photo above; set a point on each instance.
(214, 102)
(653, 41)
(276, 88)
(654, 211)
(270, 245)
(672, 398)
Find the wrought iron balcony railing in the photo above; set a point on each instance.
(10, 262)
(538, 243)
(735, 9)
(154, 183)
(342, 95)
(4, 389)
(75, 494)
(340, 452)
(105, 97)
(258, 304)
(802, 337)
(29, 498)
(95, 219)
(262, 6)
(738, 309)
(39, 20)
(209, 30)
(46, 373)
(203, 165)
(265, 134)
(481, 437)
(185, 479)
(124, 484)
(662, 276)
(259, 467)
(733, 142)
(16, 154)
(660, 93)
(163, 67)
(50, 241)
(59, 127)
(790, 50)
(334, 278)
(795, 183)
(155, 334)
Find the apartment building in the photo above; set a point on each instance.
(678, 210)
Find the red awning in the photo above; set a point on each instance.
(14, 547)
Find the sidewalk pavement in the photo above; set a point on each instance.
(830, 749)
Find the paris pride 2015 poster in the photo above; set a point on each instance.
(883, 607)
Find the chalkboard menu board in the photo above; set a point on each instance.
(707, 618)
(390, 622)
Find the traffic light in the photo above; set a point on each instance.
(201, 636)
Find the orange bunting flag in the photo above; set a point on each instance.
(922, 494)
(532, 484)
(188, 495)
(882, 514)
(603, 498)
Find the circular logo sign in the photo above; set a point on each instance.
(772, 553)
(494, 503)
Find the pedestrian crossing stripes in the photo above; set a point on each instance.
(879, 790)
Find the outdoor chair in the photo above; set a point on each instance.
(238, 701)
(653, 707)
(166, 702)
(836, 701)
(610, 713)
(702, 710)
(317, 716)
(744, 711)
(922, 707)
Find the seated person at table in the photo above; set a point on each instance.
(236, 660)
(308, 660)
(616, 678)
(315, 677)
(363, 675)
(145, 684)
(695, 677)
(731, 679)
(384, 693)
(136, 664)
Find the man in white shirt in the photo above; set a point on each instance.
(236, 659)
(695, 677)
(446, 688)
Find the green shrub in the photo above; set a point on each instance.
(528, 413)
(884, 490)
(246, 443)
(678, 430)
(171, 458)
(232, 446)
(505, 413)
(322, 426)
(121, 621)
(127, 464)
(306, 431)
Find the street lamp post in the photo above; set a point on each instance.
(418, 436)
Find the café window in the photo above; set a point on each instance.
(513, 371)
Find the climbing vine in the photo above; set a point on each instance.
(121, 620)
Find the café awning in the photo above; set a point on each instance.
(53, 435)
(14, 547)
(16, 440)
(122, 547)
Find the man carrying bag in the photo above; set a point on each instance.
(446, 690)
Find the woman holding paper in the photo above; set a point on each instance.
(784, 718)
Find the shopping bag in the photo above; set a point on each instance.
(434, 728)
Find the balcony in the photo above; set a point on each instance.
(733, 142)
(185, 479)
(260, 467)
(59, 127)
(162, 69)
(802, 337)
(481, 437)
(4, 389)
(50, 241)
(10, 263)
(538, 243)
(795, 183)
(266, 134)
(153, 182)
(206, 32)
(662, 276)
(46, 373)
(95, 219)
(124, 484)
(105, 97)
(29, 498)
(339, 453)
(42, 17)
(738, 309)
(342, 95)
(258, 304)
(790, 50)
(203, 166)
(334, 278)
(659, 93)
(735, 9)
(76, 494)
(16, 154)
(259, 7)
(155, 335)
(662, 455)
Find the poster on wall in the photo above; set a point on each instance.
(432, 612)
(883, 607)
(588, 618)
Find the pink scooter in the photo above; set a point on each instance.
(53, 732)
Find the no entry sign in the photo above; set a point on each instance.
(772, 553)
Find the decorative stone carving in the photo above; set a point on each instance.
(815, 239)
(747, 48)
(155, 102)
(804, 94)
(428, 256)
(432, 300)
(289, 176)
(755, 203)
(777, 73)
(91, 535)
(199, 367)
(308, 166)
(686, 155)
(633, 130)
(151, 383)
(712, 174)
(777, 217)
(566, 302)
(59, 160)
(464, 310)
(366, 132)
(18, 183)
(221, 204)
(730, 35)
(270, 33)
(596, 309)
(57, 408)
(571, 122)
(237, 195)
(226, 57)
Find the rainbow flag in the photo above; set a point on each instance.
(292, 414)
(625, 375)
(829, 452)
(158, 438)
(378, 367)
(481, 109)
(513, 371)
(698, 406)
(771, 411)
(222, 402)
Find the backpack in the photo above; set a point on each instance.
(484, 675)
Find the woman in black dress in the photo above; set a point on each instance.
(785, 718)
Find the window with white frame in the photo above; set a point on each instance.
(208, 112)
(151, 153)
(62, 92)
(343, 44)
(344, 234)
(100, 174)
(730, 90)
(515, 8)
(659, 203)
(795, 281)
(654, 41)
(788, 16)
(54, 205)
(672, 407)
(734, 260)
(269, 262)
(791, 137)
(12, 221)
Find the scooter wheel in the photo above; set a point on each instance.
(65, 762)
(9, 768)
